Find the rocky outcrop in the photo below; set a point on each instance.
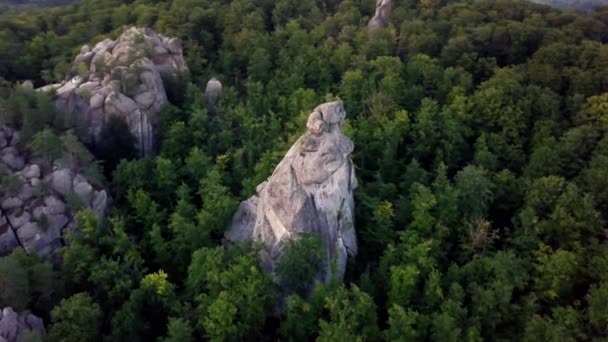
(35, 204)
(212, 92)
(381, 16)
(13, 327)
(122, 77)
(309, 192)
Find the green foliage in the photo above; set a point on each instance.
(28, 282)
(46, 145)
(352, 317)
(233, 294)
(76, 319)
(300, 262)
(178, 330)
(14, 283)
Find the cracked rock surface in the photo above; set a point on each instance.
(34, 209)
(309, 192)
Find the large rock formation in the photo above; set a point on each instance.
(381, 16)
(121, 77)
(212, 92)
(310, 191)
(35, 204)
(14, 327)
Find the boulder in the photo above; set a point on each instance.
(11, 203)
(30, 171)
(12, 159)
(84, 191)
(25, 192)
(309, 192)
(212, 92)
(61, 181)
(13, 325)
(54, 205)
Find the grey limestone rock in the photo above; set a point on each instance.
(122, 77)
(12, 159)
(61, 181)
(31, 171)
(8, 240)
(381, 16)
(36, 216)
(212, 92)
(13, 325)
(309, 192)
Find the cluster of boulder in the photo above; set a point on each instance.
(122, 77)
(36, 202)
(15, 327)
(309, 192)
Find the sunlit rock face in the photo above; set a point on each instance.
(381, 16)
(309, 192)
(122, 77)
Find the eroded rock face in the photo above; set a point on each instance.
(309, 192)
(122, 77)
(381, 16)
(13, 326)
(34, 209)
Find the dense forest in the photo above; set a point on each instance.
(480, 150)
(584, 5)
